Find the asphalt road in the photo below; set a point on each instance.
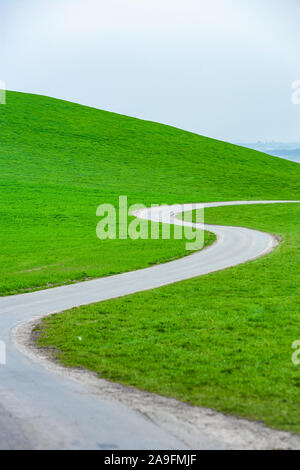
(40, 409)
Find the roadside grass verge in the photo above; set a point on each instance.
(60, 160)
(223, 340)
(44, 256)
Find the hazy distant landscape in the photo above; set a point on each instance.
(287, 150)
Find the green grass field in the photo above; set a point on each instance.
(223, 340)
(60, 160)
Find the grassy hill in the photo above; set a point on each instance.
(222, 340)
(60, 160)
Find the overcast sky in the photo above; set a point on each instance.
(222, 68)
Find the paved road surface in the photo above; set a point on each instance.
(42, 409)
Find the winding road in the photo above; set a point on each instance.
(41, 409)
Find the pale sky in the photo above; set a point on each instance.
(221, 68)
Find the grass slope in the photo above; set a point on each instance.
(60, 160)
(223, 340)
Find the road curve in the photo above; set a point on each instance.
(42, 409)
